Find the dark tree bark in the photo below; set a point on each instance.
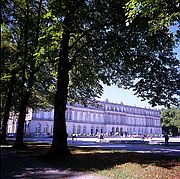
(7, 108)
(59, 145)
(26, 94)
(22, 113)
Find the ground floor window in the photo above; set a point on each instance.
(51, 129)
(92, 130)
(47, 129)
(74, 129)
(38, 128)
(101, 130)
(97, 130)
(130, 130)
(78, 129)
(121, 131)
(113, 130)
(117, 129)
(84, 130)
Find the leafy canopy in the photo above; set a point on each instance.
(103, 47)
(170, 120)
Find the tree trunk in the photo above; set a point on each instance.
(59, 145)
(7, 109)
(21, 120)
(22, 113)
(27, 93)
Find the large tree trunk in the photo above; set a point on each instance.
(22, 113)
(7, 109)
(59, 145)
(21, 120)
(24, 91)
(27, 93)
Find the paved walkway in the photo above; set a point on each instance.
(141, 148)
(173, 150)
(22, 165)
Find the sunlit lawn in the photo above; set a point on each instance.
(107, 163)
(124, 164)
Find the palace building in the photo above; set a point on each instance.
(108, 118)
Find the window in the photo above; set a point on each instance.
(38, 128)
(121, 131)
(130, 130)
(74, 129)
(113, 130)
(81, 116)
(86, 116)
(78, 129)
(101, 129)
(51, 129)
(94, 117)
(117, 129)
(69, 114)
(92, 130)
(47, 128)
(75, 115)
(84, 129)
(97, 130)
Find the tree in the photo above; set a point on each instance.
(170, 121)
(22, 19)
(95, 45)
(26, 91)
(88, 43)
(162, 13)
(8, 77)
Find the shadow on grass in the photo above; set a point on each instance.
(34, 162)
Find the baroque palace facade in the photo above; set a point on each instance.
(108, 118)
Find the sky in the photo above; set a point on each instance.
(117, 95)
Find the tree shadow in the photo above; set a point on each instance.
(34, 163)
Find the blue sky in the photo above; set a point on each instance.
(117, 95)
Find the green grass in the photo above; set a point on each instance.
(112, 164)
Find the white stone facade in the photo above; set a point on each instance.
(12, 122)
(108, 118)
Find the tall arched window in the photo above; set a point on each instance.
(84, 129)
(97, 129)
(113, 130)
(92, 130)
(75, 115)
(130, 130)
(79, 129)
(47, 128)
(117, 129)
(102, 130)
(74, 129)
(51, 129)
(121, 131)
(151, 131)
(38, 128)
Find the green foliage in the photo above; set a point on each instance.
(170, 119)
(23, 53)
(160, 13)
(103, 48)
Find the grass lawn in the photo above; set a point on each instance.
(33, 163)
